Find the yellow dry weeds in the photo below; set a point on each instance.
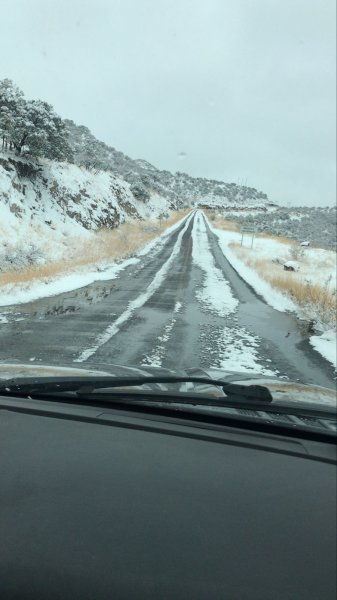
(220, 222)
(318, 300)
(105, 245)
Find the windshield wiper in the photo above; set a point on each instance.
(84, 386)
(249, 402)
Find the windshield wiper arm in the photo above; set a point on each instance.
(23, 386)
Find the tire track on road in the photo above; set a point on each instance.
(138, 302)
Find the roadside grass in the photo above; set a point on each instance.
(317, 300)
(227, 225)
(221, 223)
(278, 238)
(105, 245)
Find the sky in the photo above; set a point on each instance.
(237, 90)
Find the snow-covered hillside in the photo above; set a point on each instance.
(48, 201)
(145, 179)
(316, 224)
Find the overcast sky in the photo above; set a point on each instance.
(238, 90)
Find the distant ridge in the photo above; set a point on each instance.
(145, 179)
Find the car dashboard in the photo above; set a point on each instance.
(110, 503)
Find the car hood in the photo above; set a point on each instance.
(282, 391)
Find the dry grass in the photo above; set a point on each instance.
(106, 245)
(317, 301)
(225, 224)
(31, 273)
(277, 238)
(220, 222)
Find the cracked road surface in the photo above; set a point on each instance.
(181, 305)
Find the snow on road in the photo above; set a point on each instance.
(216, 293)
(156, 357)
(138, 302)
(233, 348)
(223, 342)
(230, 347)
(239, 352)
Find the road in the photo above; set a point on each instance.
(181, 305)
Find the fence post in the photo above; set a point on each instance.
(252, 239)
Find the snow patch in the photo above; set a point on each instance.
(326, 345)
(155, 359)
(239, 352)
(216, 293)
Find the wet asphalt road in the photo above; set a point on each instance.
(153, 314)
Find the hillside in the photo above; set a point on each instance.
(315, 224)
(145, 179)
(55, 172)
(46, 201)
(59, 185)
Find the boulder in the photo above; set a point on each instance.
(291, 265)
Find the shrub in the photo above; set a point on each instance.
(297, 252)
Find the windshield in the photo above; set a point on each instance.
(167, 190)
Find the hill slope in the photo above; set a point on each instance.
(47, 201)
(145, 179)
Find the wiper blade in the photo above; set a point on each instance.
(249, 402)
(24, 386)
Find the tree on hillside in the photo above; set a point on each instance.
(31, 125)
(43, 131)
(11, 105)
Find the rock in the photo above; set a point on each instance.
(291, 265)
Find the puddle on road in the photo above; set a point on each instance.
(69, 302)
